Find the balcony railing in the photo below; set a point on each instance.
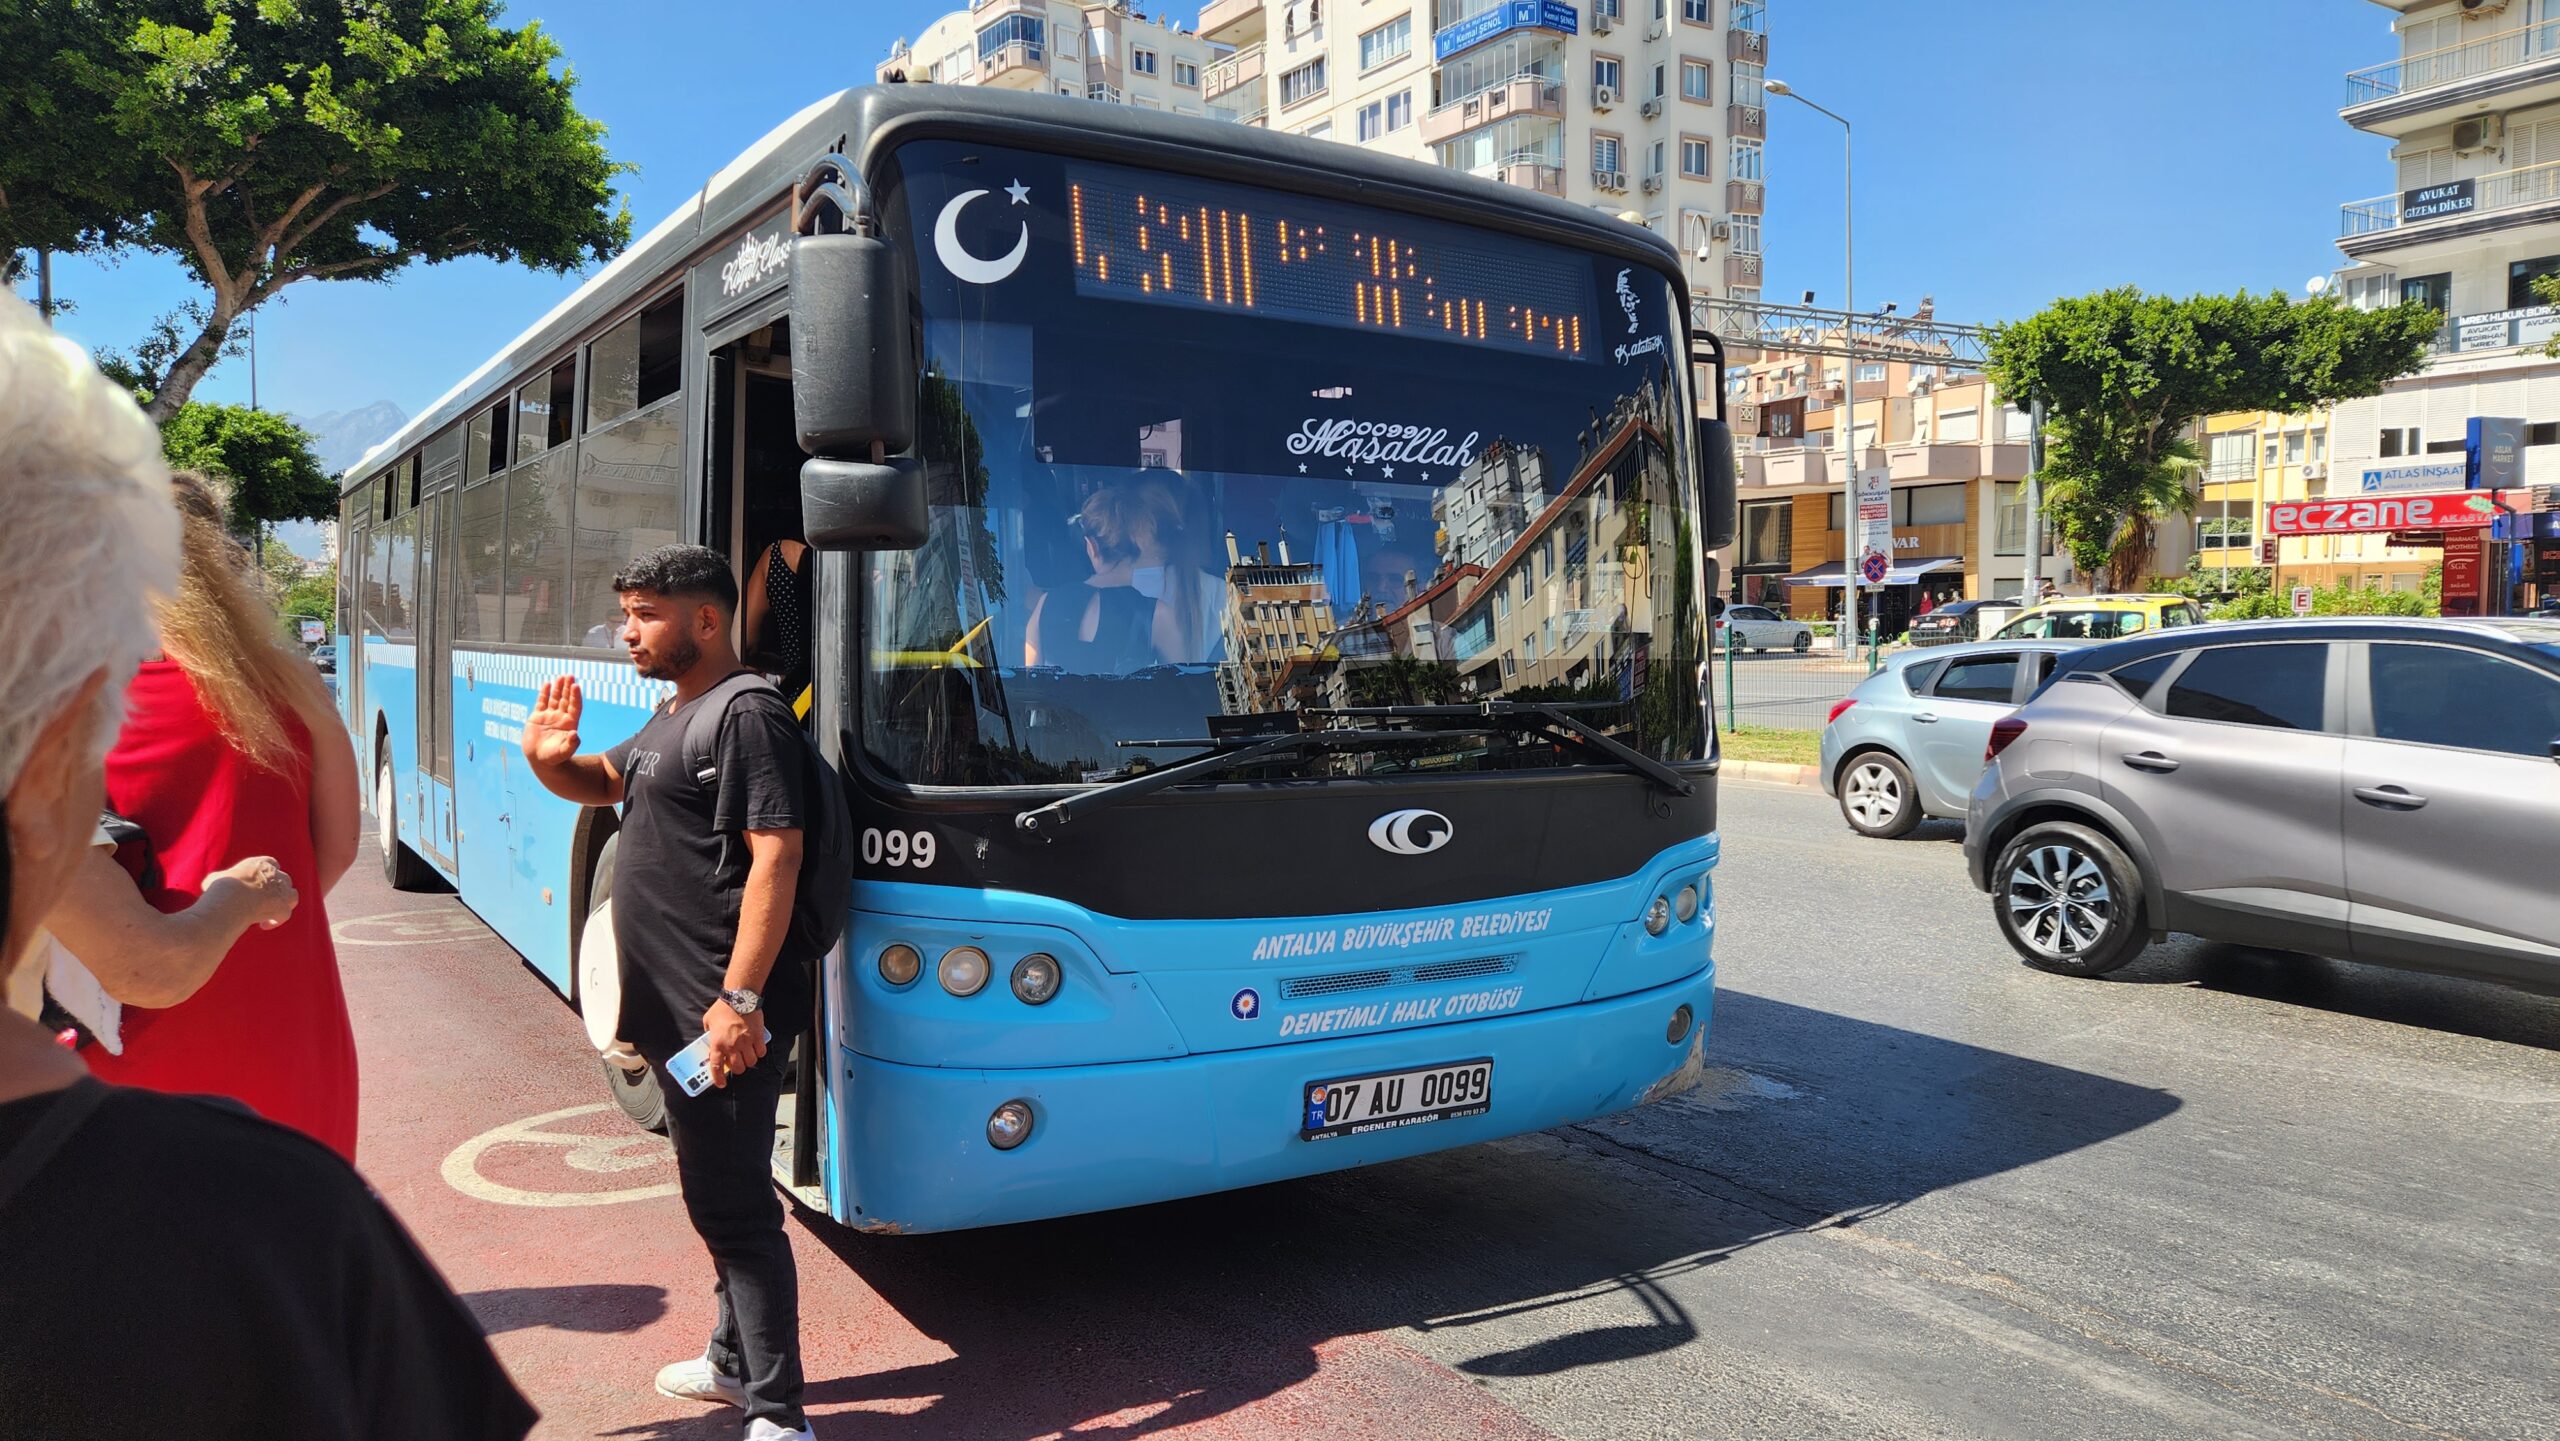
(1014, 55)
(1746, 122)
(2499, 190)
(1242, 68)
(2412, 73)
(1529, 172)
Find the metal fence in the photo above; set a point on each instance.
(1785, 691)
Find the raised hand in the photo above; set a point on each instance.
(551, 731)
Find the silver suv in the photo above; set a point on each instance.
(2385, 791)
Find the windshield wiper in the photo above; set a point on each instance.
(1547, 718)
(1199, 767)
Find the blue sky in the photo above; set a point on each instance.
(2009, 151)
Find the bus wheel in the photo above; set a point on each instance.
(630, 1078)
(637, 1093)
(401, 868)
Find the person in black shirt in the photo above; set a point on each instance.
(706, 873)
(168, 1266)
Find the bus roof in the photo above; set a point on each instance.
(852, 121)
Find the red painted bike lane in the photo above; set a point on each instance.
(487, 1128)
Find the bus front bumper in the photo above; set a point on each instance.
(913, 1154)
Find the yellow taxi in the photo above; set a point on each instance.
(2101, 617)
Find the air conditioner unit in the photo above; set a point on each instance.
(1603, 22)
(1652, 183)
(1613, 181)
(1604, 97)
(1720, 230)
(2474, 9)
(2480, 132)
(1652, 109)
(2315, 470)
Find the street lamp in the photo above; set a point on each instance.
(1848, 428)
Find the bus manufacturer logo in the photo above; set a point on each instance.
(1409, 833)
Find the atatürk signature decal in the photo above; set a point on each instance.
(1370, 442)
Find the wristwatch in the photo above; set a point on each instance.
(743, 1002)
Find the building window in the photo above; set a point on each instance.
(1746, 295)
(1028, 31)
(1614, 9)
(1103, 91)
(2522, 274)
(1321, 130)
(1751, 15)
(1303, 83)
(1604, 153)
(2319, 450)
(1871, 372)
(2218, 532)
(1399, 110)
(1142, 61)
(2433, 291)
(1693, 158)
(1746, 234)
(1697, 81)
(1698, 12)
(1744, 77)
(1937, 505)
(1371, 122)
(1746, 161)
(2401, 441)
(1656, 156)
(1605, 70)
(1186, 74)
(1658, 73)
(2373, 292)
(1144, 103)
(1768, 532)
(2228, 456)
(1391, 41)
(2268, 459)
(2293, 446)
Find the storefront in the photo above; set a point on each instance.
(2463, 526)
(1910, 587)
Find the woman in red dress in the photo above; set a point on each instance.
(231, 747)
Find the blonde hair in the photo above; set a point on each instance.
(87, 537)
(221, 631)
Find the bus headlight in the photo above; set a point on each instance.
(1010, 1125)
(900, 964)
(1657, 917)
(963, 971)
(1035, 978)
(1685, 905)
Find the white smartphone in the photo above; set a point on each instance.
(690, 1068)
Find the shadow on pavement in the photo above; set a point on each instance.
(2376, 993)
(1134, 1322)
(602, 1309)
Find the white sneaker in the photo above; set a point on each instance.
(698, 1380)
(761, 1429)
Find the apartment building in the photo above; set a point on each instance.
(1645, 108)
(2255, 459)
(1106, 52)
(2470, 103)
(1957, 457)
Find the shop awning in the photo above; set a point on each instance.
(1904, 572)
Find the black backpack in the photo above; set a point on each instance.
(826, 846)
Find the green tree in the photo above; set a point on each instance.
(266, 142)
(2124, 375)
(266, 458)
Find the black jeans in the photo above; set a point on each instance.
(724, 1161)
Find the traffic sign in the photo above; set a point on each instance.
(2302, 600)
(1873, 566)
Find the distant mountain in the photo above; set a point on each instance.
(341, 437)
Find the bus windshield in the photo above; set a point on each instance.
(1203, 454)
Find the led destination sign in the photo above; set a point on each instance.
(1171, 240)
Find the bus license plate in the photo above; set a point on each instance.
(1357, 1105)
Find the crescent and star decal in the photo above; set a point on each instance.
(956, 258)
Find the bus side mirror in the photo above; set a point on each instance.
(1717, 526)
(853, 394)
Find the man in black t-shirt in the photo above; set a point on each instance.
(707, 866)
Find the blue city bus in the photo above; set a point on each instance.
(1259, 622)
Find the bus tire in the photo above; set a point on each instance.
(632, 1081)
(401, 868)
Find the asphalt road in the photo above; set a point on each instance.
(1926, 1193)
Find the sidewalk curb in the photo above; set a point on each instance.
(1773, 773)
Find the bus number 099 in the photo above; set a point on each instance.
(897, 848)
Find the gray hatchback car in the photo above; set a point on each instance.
(2385, 791)
(1907, 744)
